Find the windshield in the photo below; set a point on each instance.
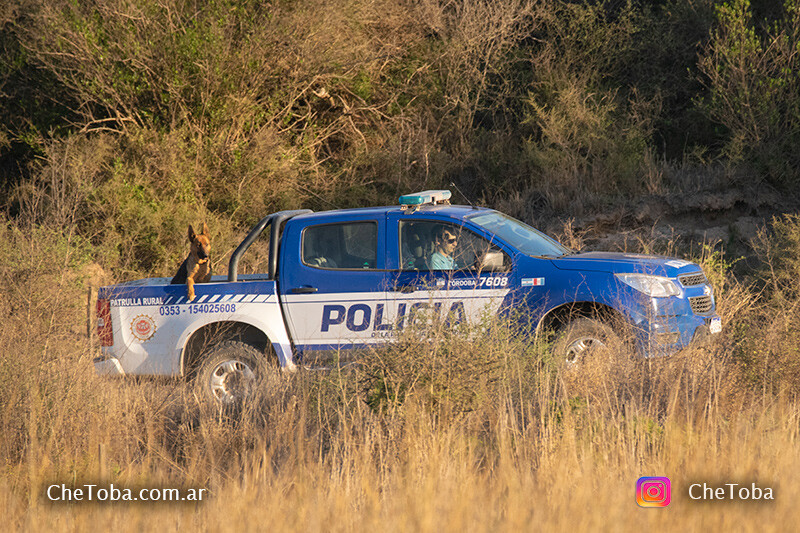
(519, 235)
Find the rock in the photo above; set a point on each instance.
(715, 234)
(746, 228)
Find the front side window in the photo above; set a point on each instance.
(429, 245)
(345, 246)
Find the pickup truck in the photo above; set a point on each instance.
(346, 279)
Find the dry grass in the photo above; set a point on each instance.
(330, 463)
(487, 434)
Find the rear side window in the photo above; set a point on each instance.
(345, 246)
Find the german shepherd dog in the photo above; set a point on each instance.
(196, 268)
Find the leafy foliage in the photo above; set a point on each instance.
(133, 117)
(752, 72)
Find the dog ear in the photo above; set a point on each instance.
(205, 229)
(192, 233)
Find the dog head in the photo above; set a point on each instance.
(200, 242)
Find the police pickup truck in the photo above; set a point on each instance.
(345, 279)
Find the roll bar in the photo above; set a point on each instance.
(276, 219)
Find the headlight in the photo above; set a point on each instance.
(654, 286)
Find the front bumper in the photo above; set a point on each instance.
(693, 331)
(665, 326)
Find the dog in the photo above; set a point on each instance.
(197, 267)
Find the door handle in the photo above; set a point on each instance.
(303, 290)
(404, 288)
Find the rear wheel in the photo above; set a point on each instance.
(585, 338)
(229, 372)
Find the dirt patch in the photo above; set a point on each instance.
(730, 219)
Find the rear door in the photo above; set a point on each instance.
(332, 280)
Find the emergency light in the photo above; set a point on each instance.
(425, 197)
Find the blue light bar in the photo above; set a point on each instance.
(425, 197)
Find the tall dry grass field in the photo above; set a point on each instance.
(457, 434)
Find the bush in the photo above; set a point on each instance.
(752, 76)
(461, 368)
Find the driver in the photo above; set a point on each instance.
(445, 242)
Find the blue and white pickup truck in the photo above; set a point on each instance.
(351, 278)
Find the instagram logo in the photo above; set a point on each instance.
(653, 491)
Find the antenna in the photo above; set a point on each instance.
(463, 195)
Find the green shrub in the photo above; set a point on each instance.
(752, 73)
(779, 251)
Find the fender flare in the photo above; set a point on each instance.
(274, 338)
(588, 308)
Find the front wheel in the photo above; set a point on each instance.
(228, 373)
(583, 339)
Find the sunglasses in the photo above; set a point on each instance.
(450, 240)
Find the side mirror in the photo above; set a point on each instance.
(492, 262)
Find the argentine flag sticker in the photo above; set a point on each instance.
(532, 282)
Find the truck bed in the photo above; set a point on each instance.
(152, 320)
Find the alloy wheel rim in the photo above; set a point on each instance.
(231, 381)
(582, 347)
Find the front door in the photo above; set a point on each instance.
(442, 280)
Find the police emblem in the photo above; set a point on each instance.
(143, 328)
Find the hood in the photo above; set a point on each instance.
(619, 263)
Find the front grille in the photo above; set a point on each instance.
(701, 305)
(668, 338)
(690, 280)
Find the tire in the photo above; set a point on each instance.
(583, 338)
(229, 372)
